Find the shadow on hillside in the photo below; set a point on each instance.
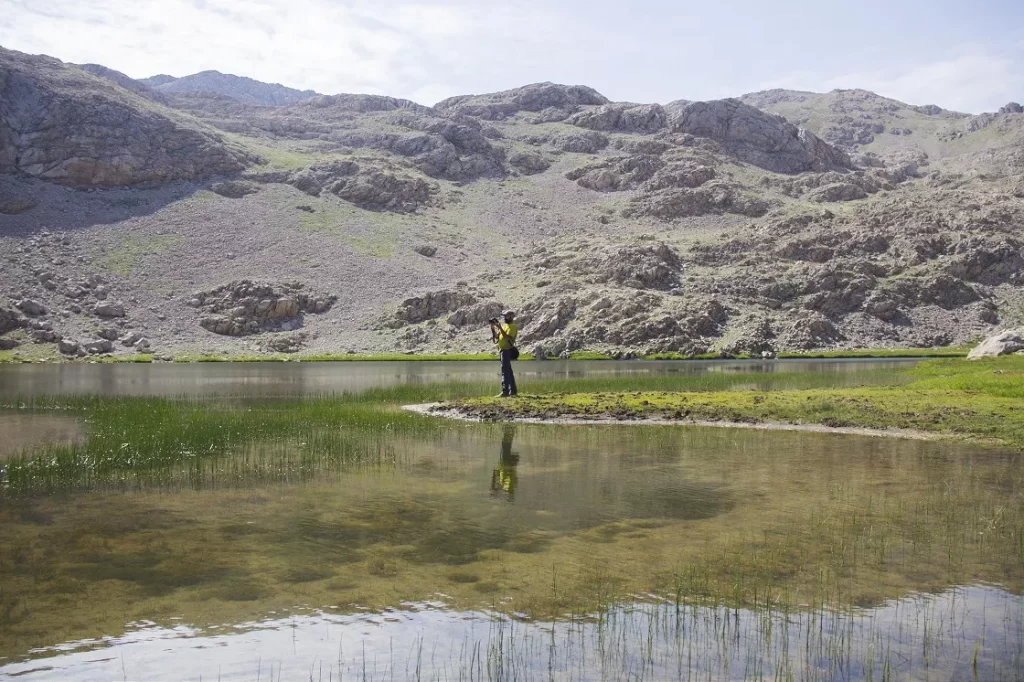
(61, 209)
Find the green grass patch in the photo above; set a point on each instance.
(346, 357)
(979, 400)
(948, 352)
(31, 352)
(139, 358)
(397, 357)
(129, 254)
(589, 355)
(277, 357)
(699, 356)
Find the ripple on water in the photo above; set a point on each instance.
(971, 632)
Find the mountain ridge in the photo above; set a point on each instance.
(374, 224)
(239, 87)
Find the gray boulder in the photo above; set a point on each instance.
(285, 343)
(434, 304)
(69, 347)
(839, 191)
(31, 307)
(10, 319)
(97, 347)
(44, 336)
(234, 189)
(1003, 343)
(1011, 108)
(109, 309)
(529, 162)
(130, 339)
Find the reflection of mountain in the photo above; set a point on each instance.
(574, 498)
(599, 513)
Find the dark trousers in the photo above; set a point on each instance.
(508, 378)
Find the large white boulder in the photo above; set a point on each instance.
(1003, 343)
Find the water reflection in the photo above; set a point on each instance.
(970, 633)
(295, 378)
(505, 478)
(538, 520)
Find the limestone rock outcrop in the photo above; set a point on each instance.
(761, 139)
(62, 124)
(434, 304)
(632, 118)
(368, 187)
(248, 307)
(559, 100)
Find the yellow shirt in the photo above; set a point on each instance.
(506, 340)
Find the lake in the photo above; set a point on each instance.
(393, 546)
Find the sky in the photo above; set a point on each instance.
(966, 56)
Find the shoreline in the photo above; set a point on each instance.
(13, 358)
(435, 410)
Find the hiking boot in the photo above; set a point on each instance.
(501, 395)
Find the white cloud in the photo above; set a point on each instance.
(430, 49)
(403, 49)
(974, 81)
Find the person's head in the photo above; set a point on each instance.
(509, 315)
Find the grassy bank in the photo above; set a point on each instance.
(951, 397)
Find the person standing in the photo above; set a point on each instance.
(504, 335)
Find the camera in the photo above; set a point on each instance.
(493, 320)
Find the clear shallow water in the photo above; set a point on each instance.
(19, 432)
(213, 577)
(295, 378)
(971, 633)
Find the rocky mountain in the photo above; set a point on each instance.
(236, 87)
(60, 123)
(861, 121)
(125, 81)
(774, 221)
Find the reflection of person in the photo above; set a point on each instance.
(504, 478)
(505, 336)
